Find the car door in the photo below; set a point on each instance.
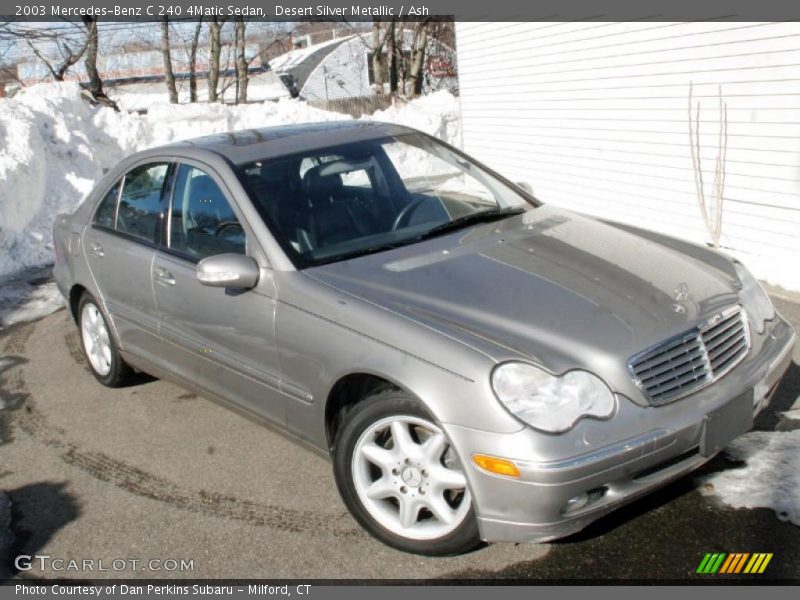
(220, 339)
(120, 245)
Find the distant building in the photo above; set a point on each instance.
(342, 68)
(139, 66)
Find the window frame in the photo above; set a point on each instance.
(166, 228)
(165, 190)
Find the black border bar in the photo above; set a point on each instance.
(366, 10)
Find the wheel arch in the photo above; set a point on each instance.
(75, 294)
(350, 389)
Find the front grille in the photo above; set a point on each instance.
(694, 359)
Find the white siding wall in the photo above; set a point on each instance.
(341, 74)
(595, 117)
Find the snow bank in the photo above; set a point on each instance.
(22, 300)
(54, 147)
(770, 478)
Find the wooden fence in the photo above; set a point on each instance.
(357, 106)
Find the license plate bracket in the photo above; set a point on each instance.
(723, 425)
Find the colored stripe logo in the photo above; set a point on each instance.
(734, 563)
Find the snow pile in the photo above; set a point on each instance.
(438, 114)
(54, 147)
(770, 477)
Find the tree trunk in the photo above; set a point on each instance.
(378, 59)
(241, 62)
(418, 60)
(213, 61)
(90, 64)
(193, 62)
(391, 51)
(402, 59)
(169, 74)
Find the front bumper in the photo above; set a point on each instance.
(613, 462)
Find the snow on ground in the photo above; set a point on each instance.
(54, 146)
(770, 478)
(133, 97)
(21, 300)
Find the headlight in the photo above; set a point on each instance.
(755, 300)
(550, 403)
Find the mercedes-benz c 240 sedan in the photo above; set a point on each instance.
(478, 365)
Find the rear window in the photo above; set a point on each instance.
(139, 211)
(107, 210)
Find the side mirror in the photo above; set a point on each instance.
(228, 271)
(525, 186)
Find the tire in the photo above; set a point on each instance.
(99, 345)
(405, 504)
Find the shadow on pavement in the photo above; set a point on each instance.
(38, 512)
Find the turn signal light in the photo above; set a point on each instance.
(499, 466)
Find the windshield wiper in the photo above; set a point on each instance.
(360, 252)
(483, 216)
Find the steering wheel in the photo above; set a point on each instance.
(405, 213)
(225, 225)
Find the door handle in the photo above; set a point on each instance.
(96, 249)
(164, 276)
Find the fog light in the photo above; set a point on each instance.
(499, 466)
(583, 500)
(576, 503)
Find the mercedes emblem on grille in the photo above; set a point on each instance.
(681, 294)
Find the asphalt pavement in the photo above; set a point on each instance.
(154, 472)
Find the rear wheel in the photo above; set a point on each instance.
(99, 346)
(401, 479)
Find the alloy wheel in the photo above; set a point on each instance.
(409, 479)
(96, 339)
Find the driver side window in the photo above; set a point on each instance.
(202, 222)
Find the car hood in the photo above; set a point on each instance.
(552, 286)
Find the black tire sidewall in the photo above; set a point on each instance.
(359, 417)
(119, 371)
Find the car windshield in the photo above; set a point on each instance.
(345, 201)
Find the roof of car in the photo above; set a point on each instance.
(270, 142)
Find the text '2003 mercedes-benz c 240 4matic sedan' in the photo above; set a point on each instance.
(477, 364)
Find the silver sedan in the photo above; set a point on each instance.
(478, 365)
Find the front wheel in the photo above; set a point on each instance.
(401, 479)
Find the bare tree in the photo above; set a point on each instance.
(68, 57)
(193, 61)
(242, 67)
(391, 52)
(169, 74)
(57, 49)
(711, 209)
(419, 46)
(379, 35)
(215, 28)
(90, 64)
